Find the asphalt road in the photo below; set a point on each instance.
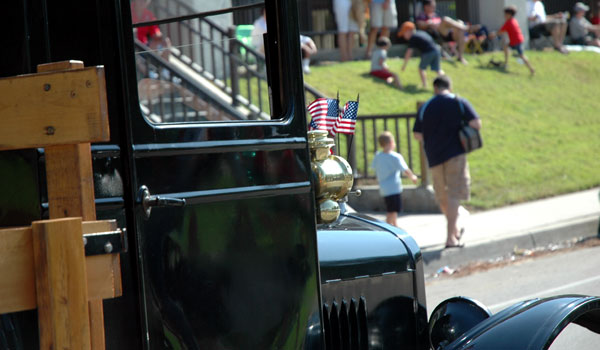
(571, 272)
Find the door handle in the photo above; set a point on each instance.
(148, 201)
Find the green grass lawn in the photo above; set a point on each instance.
(541, 134)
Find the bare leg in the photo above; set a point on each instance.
(385, 32)
(372, 38)
(449, 22)
(396, 81)
(459, 37)
(423, 78)
(391, 218)
(350, 45)
(563, 31)
(458, 34)
(558, 36)
(342, 44)
(451, 217)
(528, 64)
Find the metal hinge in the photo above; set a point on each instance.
(111, 242)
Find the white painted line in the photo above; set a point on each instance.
(502, 305)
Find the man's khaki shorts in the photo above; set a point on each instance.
(451, 179)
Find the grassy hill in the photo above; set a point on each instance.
(541, 133)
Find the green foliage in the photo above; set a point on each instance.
(541, 133)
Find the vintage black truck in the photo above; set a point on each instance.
(234, 242)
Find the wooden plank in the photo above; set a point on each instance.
(53, 108)
(70, 181)
(71, 193)
(61, 284)
(69, 175)
(17, 285)
(61, 65)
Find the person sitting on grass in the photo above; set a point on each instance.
(582, 31)
(542, 24)
(515, 36)
(444, 28)
(430, 52)
(389, 166)
(379, 68)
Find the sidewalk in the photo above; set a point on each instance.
(497, 232)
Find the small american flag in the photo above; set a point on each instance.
(324, 113)
(346, 122)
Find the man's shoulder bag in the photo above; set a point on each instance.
(470, 138)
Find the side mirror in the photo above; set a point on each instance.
(454, 317)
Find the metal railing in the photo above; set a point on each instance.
(360, 149)
(215, 54)
(168, 95)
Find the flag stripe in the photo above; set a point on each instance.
(346, 121)
(324, 113)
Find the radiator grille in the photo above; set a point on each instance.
(345, 325)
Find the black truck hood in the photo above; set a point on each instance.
(357, 246)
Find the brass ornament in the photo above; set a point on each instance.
(333, 177)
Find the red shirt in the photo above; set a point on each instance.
(514, 31)
(144, 33)
(435, 19)
(596, 20)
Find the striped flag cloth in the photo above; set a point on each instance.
(324, 113)
(346, 122)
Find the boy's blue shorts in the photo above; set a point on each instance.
(518, 48)
(432, 59)
(393, 203)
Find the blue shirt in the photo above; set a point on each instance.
(439, 120)
(389, 167)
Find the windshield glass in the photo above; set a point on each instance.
(203, 69)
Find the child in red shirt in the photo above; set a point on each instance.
(149, 35)
(515, 36)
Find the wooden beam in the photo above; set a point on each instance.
(69, 175)
(17, 285)
(70, 181)
(53, 108)
(60, 279)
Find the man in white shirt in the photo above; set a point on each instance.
(541, 24)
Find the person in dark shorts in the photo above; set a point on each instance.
(389, 166)
(430, 52)
(515, 36)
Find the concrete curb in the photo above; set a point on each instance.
(415, 199)
(436, 257)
